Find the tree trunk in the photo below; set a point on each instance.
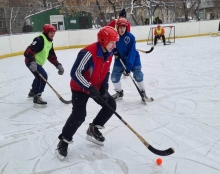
(45, 5)
(114, 7)
(101, 14)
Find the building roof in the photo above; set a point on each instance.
(206, 4)
(41, 11)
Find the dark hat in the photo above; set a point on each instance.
(122, 13)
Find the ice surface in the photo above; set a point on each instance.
(184, 80)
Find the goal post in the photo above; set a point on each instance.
(170, 34)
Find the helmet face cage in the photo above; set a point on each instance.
(106, 35)
(48, 28)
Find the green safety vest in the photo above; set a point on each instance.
(42, 56)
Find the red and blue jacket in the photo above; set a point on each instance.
(91, 68)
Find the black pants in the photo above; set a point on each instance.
(77, 117)
(158, 37)
(38, 83)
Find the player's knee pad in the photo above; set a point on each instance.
(138, 75)
(116, 73)
(115, 79)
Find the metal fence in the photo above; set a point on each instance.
(15, 20)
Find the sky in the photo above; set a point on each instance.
(184, 80)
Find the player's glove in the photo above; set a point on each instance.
(104, 93)
(61, 70)
(94, 93)
(33, 66)
(116, 53)
(126, 73)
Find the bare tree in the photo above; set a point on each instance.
(216, 5)
(186, 7)
(113, 4)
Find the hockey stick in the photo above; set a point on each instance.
(148, 99)
(151, 148)
(58, 95)
(151, 49)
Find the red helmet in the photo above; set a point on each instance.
(106, 35)
(48, 28)
(122, 22)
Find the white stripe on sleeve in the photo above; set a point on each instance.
(81, 67)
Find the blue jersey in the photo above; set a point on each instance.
(127, 49)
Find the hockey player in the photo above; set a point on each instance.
(126, 51)
(89, 78)
(114, 22)
(36, 55)
(158, 33)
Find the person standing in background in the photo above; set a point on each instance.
(113, 23)
(27, 28)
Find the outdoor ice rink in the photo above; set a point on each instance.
(184, 80)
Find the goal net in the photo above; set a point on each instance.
(169, 35)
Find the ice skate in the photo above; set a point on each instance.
(31, 94)
(62, 148)
(94, 135)
(118, 95)
(38, 101)
(145, 98)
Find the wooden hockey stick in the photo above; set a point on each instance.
(58, 95)
(151, 49)
(166, 152)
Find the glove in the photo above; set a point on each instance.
(126, 73)
(104, 93)
(33, 66)
(94, 93)
(116, 54)
(61, 70)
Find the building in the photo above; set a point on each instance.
(59, 18)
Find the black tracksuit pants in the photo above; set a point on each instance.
(158, 37)
(77, 117)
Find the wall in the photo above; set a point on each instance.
(12, 45)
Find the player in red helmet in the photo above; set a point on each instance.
(89, 79)
(48, 28)
(36, 55)
(129, 56)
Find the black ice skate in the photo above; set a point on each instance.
(31, 94)
(62, 147)
(118, 95)
(94, 135)
(145, 98)
(39, 101)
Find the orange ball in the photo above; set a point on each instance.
(159, 161)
